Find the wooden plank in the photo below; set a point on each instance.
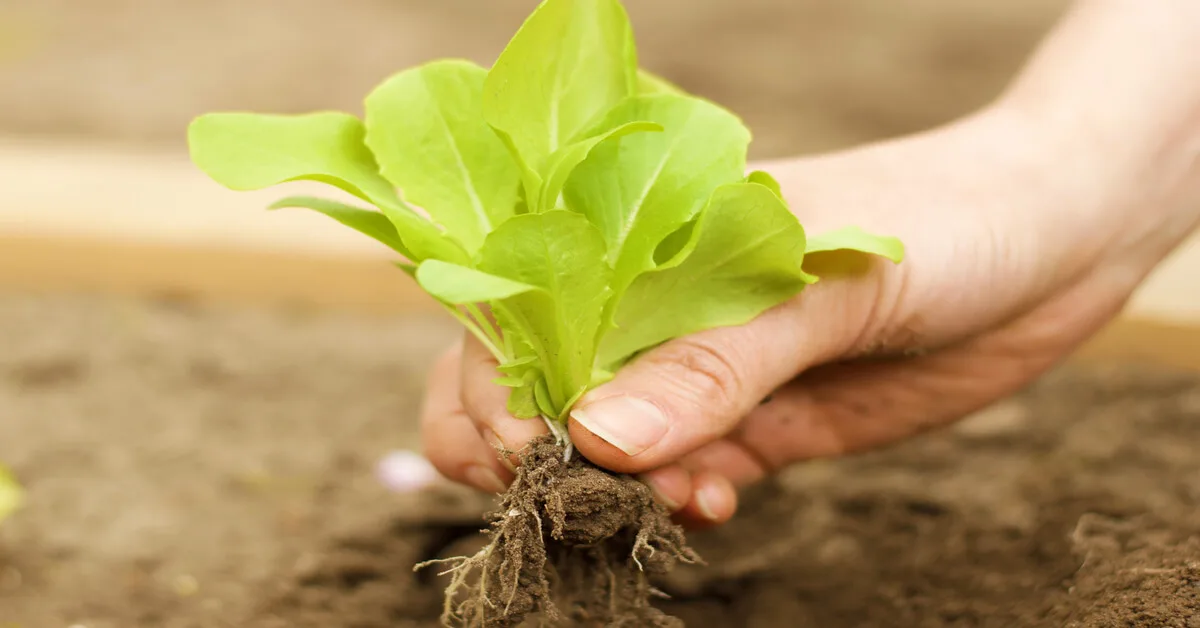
(1144, 341)
(229, 274)
(281, 278)
(146, 222)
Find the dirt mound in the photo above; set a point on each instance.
(202, 467)
(1052, 511)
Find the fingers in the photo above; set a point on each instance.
(450, 439)
(486, 402)
(851, 407)
(698, 499)
(690, 391)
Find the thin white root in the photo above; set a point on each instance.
(562, 437)
(458, 581)
(642, 542)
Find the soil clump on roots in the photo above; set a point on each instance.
(569, 544)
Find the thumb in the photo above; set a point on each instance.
(693, 390)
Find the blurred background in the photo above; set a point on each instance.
(95, 98)
(174, 357)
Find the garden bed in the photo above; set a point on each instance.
(203, 466)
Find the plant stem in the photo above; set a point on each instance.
(485, 323)
(561, 435)
(477, 332)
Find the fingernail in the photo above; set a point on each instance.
(706, 498)
(667, 502)
(484, 479)
(627, 423)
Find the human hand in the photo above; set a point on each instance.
(1024, 234)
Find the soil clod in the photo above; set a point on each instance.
(570, 543)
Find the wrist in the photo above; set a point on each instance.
(1111, 99)
(1131, 190)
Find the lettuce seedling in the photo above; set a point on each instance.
(593, 209)
(10, 494)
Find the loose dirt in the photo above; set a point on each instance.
(569, 543)
(207, 467)
(210, 467)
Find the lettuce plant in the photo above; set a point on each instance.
(594, 210)
(10, 494)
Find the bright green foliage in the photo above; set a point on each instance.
(746, 247)
(641, 189)
(580, 209)
(650, 83)
(562, 254)
(764, 178)
(567, 159)
(855, 239)
(245, 151)
(460, 285)
(568, 64)
(426, 128)
(10, 494)
(365, 221)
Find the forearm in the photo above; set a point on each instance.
(1086, 170)
(1115, 91)
(1125, 74)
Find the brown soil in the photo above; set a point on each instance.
(206, 467)
(201, 467)
(569, 542)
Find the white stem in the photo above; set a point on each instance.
(561, 437)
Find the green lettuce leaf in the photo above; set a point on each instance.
(564, 162)
(365, 221)
(11, 495)
(245, 151)
(744, 257)
(248, 151)
(640, 189)
(650, 83)
(581, 209)
(523, 363)
(460, 285)
(562, 254)
(571, 61)
(764, 178)
(855, 239)
(426, 129)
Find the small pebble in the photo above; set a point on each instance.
(406, 472)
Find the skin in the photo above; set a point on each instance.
(1028, 225)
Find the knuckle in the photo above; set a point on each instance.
(706, 371)
(889, 325)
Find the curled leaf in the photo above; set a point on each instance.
(855, 239)
(744, 256)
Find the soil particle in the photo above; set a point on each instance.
(569, 543)
(158, 499)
